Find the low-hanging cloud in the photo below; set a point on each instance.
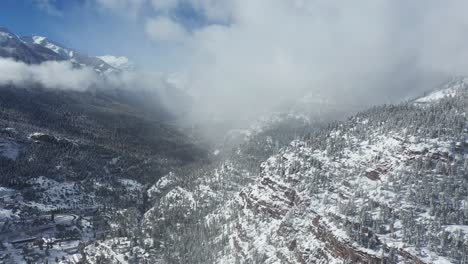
(243, 57)
(251, 56)
(63, 75)
(149, 87)
(50, 74)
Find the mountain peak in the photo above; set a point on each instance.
(121, 63)
(38, 39)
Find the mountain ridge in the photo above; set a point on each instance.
(36, 49)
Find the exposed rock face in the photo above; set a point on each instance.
(342, 249)
(270, 197)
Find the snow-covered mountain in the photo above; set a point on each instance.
(69, 54)
(11, 46)
(36, 49)
(50, 45)
(121, 63)
(388, 185)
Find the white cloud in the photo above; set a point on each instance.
(164, 29)
(165, 5)
(51, 74)
(48, 6)
(127, 7)
(347, 52)
(216, 10)
(244, 56)
(62, 75)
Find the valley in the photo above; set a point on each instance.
(103, 162)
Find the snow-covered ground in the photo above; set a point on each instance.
(448, 90)
(54, 195)
(386, 184)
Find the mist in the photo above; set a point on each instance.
(246, 58)
(239, 59)
(50, 74)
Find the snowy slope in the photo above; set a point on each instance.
(448, 90)
(387, 185)
(11, 46)
(364, 186)
(43, 41)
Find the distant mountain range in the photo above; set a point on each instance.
(37, 49)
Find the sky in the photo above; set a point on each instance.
(78, 24)
(27, 17)
(242, 57)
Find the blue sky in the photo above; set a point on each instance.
(93, 27)
(84, 26)
(25, 17)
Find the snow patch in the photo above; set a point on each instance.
(122, 63)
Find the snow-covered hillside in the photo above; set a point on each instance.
(388, 185)
(448, 90)
(82, 179)
(70, 162)
(46, 43)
